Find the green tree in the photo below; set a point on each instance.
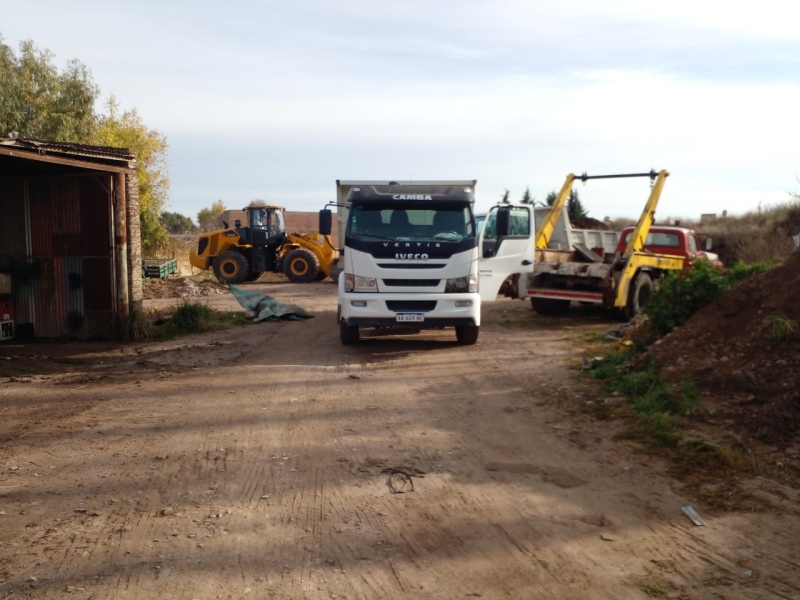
(209, 218)
(504, 199)
(177, 223)
(38, 101)
(526, 197)
(575, 209)
(126, 130)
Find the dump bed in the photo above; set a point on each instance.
(159, 268)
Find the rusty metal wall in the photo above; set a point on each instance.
(60, 247)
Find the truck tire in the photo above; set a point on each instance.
(467, 335)
(348, 334)
(640, 295)
(231, 267)
(549, 306)
(253, 277)
(300, 266)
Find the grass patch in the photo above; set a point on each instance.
(653, 402)
(188, 317)
(193, 317)
(139, 327)
(779, 329)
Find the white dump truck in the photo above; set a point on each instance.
(412, 256)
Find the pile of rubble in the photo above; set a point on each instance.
(181, 287)
(743, 353)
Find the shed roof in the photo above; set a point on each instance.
(25, 156)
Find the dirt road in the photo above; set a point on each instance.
(261, 463)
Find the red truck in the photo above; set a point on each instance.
(675, 241)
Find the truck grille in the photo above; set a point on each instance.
(420, 265)
(411, 282)
(411, 305)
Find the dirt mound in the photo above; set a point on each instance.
(743, 353)
(181, 287)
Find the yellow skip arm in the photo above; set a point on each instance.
(545, 231)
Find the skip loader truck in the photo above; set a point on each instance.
(412, 256)
(623, 280)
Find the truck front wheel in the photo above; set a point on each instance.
(467, 335)
(348, 334)
(640, 295)
(300, 266)
(231, 267)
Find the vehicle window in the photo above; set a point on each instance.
(520, 224)
(663, 239)
(659, 238)
(440, 222)
(692, 244)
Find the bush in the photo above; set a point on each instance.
(139, 328)
(191, 317)
(682, 293)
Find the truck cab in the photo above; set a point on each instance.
(672, 240)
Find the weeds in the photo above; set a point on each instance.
(779, 328)
(653, 400)
(189, 317)
(139, 328)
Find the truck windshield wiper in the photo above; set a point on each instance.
(376, 236)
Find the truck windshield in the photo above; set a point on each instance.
(440, 222)
(657, 238)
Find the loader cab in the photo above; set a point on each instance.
(266, 225)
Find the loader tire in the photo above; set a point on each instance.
(231, 267)
(253, 277)
(549, 306)
(640, 295)
(300, 266)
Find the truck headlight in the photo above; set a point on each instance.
(355, 283)
(462, 284)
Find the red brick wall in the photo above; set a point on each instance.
(306, 222)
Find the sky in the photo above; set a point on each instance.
(276, 100)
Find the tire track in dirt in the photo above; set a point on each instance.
(516, 493)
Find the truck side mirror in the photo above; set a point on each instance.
(325, 221)
(503, 222)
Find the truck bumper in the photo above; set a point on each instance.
(435, 310)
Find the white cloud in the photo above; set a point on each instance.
(280, 99)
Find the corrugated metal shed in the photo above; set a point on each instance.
(64, 236)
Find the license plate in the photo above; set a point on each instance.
(410, 318)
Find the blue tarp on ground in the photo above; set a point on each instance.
(262, 307)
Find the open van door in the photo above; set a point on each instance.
(506, 247)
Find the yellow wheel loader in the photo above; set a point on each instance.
(243, 252)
